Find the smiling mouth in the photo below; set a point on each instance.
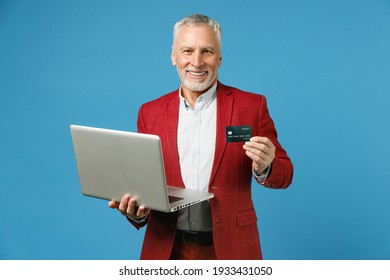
(197, 74)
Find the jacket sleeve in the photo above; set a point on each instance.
(140, 121)
(141, 129)
(281, 170)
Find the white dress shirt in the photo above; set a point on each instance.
(196, 146)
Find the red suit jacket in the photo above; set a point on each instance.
(235, 231)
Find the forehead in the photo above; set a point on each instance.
(203, 35)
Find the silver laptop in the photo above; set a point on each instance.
(112, 163)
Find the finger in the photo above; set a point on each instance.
(262, 140)
(113, 204)
(131, 206)
(142, 211)
(259, 139)
(256, 148)
(259, 150)
(124, 202)
(254, 144)
(255, 158)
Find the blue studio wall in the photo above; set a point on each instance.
(323, 65)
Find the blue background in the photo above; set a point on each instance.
(323, 65)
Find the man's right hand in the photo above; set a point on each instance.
(128, 207)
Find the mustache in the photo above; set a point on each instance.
(197, 70)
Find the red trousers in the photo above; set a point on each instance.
(186, 251)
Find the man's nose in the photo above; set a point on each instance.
(197, 60)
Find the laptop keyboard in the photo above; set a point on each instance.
(174, 198)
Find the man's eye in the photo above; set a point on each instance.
(186, 51)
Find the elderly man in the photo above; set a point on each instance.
(191, 122)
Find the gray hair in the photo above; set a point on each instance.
(197, 20)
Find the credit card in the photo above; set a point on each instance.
(238, 133)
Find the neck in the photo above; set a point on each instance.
(192, 96)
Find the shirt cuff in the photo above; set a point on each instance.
(261, 178)
(138, 221)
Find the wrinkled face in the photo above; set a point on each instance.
(196, 55)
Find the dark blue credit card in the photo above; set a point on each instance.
(241, 133)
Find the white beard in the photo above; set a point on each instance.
(195, 85)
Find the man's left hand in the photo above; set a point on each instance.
(262, 152)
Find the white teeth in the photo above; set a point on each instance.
(197, 73)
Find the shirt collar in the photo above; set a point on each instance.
(207, 98)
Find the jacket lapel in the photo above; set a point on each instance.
(224, 117)
(172, 117)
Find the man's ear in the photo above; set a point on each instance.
(173, 57)
(220, 61)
